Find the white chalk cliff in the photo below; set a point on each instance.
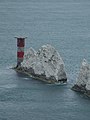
(45, 63)
(83, 79)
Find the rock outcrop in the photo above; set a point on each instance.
(83, 79)
(45, 64)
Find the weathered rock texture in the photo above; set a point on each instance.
(83, 79)
(45, 64)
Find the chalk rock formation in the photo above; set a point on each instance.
(83, 79)
(45, 64)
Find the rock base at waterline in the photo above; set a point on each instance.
(50, 80)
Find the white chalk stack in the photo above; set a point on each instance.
(83, 79)
(45, 64)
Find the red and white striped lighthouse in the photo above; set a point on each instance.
(20, 50)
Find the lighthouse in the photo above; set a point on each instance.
(20, 50)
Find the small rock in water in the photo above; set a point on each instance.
(46, 64)
(83, 79)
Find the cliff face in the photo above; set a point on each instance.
(83, 80)
(46, 63)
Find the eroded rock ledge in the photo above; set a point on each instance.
(45, 64)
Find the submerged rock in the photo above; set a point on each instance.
(83, 80)
(45, 64)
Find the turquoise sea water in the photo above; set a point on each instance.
(65, 24)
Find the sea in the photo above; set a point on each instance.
(65, 24)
